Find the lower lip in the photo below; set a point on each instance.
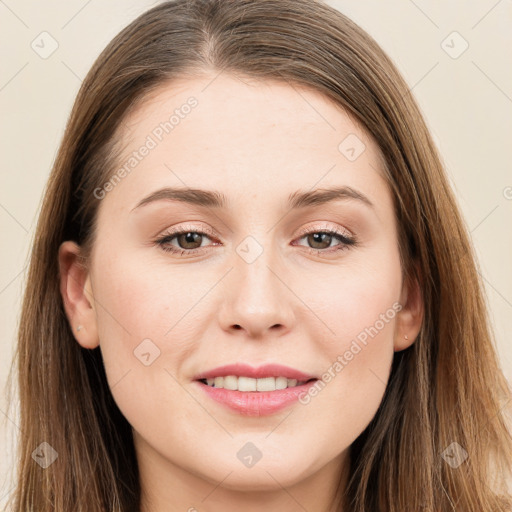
(256, 403)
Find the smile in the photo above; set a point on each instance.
(255, 391)
(246, 384)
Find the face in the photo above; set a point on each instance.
(262, 279)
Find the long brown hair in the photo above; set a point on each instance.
(446, 388)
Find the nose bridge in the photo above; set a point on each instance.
(256, 266)
(257, 299)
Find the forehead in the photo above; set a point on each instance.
(249, 138)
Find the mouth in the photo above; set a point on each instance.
(253, 391)
(248, 384)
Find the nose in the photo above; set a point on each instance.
(258, 300)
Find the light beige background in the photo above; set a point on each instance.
(467, 102)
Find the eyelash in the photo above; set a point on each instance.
(346, 242)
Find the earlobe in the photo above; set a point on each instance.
(410, 317)
(77, 296)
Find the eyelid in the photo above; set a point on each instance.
(193, 228)
(327, 227)
(303, 231)
(346, 237)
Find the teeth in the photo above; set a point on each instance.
(281, 382)
(230, 382)
(247, 384)
(266, 384)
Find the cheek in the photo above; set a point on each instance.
(138, 308)
(357, 300)
(139, 313)
(142, 298)
(354, 380)
(358, 304)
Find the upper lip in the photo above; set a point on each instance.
(244, 370)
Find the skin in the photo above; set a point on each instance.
(256, 142)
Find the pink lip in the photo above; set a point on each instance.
(256, 403)
(244, 370)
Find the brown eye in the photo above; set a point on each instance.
(189, 240)
(320, 240)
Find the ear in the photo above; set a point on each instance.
(76, 291)
(410, 317)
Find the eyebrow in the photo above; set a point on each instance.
(215, 199)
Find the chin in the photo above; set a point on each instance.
(262, 478)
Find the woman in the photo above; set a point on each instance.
(254, 285)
